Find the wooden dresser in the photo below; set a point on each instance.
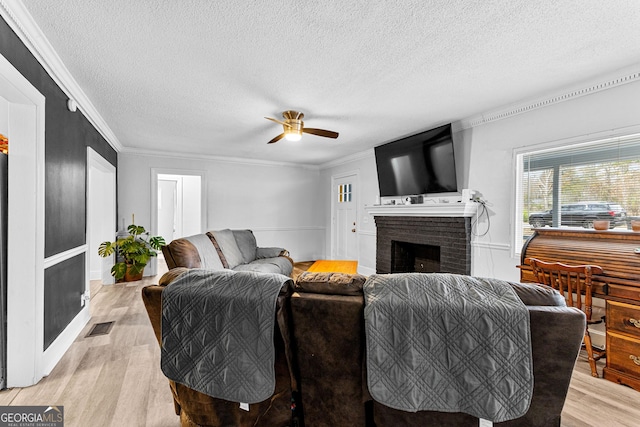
(615, 252)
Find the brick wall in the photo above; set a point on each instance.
(451, 234)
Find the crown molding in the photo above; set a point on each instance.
(28, 31)
(621, 77)
(221, 159)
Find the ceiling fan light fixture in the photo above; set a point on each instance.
(292, 134)
(294, 128)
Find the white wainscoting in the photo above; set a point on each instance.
(367, 252)
(304, 243)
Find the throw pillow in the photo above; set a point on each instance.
(209, 258)
(330, 283)
(247, 243)
(229, 247)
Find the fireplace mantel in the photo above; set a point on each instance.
(454, 209)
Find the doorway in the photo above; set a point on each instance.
(101, 214)
(179, 206)
(344, 212)
(178, 201)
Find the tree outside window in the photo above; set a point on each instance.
(578, 177)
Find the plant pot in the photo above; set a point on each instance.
(601, 224)
(635, 225)
(128, 277)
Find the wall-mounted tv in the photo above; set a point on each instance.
(419, 164)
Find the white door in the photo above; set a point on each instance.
(167, 204)
(179, 206)
(345, 237)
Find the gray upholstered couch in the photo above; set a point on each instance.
(233, 249)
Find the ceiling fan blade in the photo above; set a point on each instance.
(321, 132)
(278, 121)
(276, 139)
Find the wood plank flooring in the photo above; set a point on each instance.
(108, 380)
(115, 380)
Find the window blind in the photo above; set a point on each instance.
(606, 171)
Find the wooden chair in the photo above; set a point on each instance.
(572, 281)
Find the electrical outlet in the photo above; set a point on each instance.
(84, 298)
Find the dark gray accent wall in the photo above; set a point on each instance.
(62, 303)
(67, 136)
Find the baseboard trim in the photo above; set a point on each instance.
(52, 355)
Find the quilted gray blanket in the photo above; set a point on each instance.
(448, 343)
(217, 333)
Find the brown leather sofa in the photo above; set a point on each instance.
(320, 361)
(232, 249)
(197, 409)
(327, 312)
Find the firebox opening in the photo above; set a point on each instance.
(414, 258)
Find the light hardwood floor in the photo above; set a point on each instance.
(109, 380)
(115, 379)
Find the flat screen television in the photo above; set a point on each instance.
(419, 164)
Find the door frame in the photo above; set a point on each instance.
(153, 265)
(26, 361)
(178, 203)
(95, 162)
(334, 194)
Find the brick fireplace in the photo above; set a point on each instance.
(423, 244)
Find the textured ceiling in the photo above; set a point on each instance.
(197, 76)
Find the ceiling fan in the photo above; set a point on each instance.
(294, 128)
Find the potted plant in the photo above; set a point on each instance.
(135, 250)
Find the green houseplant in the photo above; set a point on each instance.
(135, 250)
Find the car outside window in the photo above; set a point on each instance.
(607, 171)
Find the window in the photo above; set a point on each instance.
(344, 193)
(575, 185)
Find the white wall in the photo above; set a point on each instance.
(484, 162)
(191, 207)
(4, 116)
(278, 202)
(609, 112)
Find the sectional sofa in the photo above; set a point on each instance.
(320, 361)
(327, 312)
